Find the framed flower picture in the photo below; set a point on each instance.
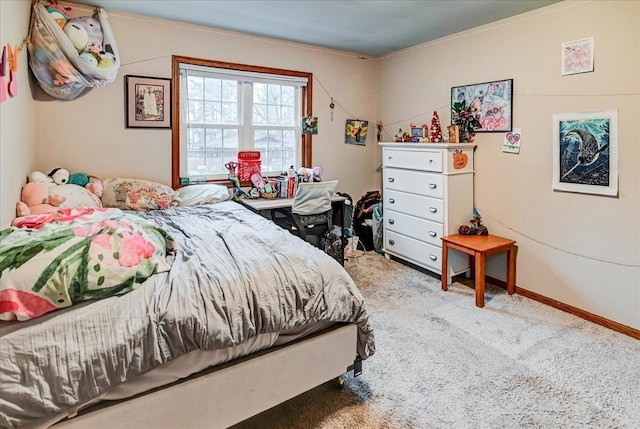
(490, 102)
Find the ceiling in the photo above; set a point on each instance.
(367, 27)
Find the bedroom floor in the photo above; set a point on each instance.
(442, 362)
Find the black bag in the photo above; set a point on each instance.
(363, 218)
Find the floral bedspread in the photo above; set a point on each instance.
(55, 260)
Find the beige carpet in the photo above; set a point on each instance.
(443, 363)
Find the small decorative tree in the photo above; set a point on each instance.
(435, 132)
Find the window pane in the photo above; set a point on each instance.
(196, 112)
(273, 94)
(259, 114)
(288, 96)
(196, 139)
(195, 88)
(260, 93)
(213, 89)
(229, 113)
(261, 140)
(230, 90)
(288, 116)
(273, 115)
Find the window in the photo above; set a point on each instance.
(222, 108)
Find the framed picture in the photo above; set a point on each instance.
(491, 102)
(147, 102)
(585, 152)
(577, 56)
(417, 132)
(356, 131)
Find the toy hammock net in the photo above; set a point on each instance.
(56, 63)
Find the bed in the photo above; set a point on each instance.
(245, 316)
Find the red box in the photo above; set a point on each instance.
(248, 164)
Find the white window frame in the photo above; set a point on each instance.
(238, 72)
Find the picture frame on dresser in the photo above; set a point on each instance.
(491, 101)
(418, 132)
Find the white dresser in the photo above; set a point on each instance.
(427, 193)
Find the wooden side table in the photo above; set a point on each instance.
(479, 247)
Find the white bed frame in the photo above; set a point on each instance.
(227, 395)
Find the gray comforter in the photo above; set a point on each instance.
(235, 275)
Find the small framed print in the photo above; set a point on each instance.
(417, 132)
(147, 102)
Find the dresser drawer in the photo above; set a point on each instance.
(415, 182)
(415, 205)
(424, 254)
(412, 159)
(420, 229)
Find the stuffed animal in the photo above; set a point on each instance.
(38, 176)
(95, 186)
(63, 71)
(59, 13)
(77, 34)
(35, 199)
(80, 179)
(59, 176)
(84, 32)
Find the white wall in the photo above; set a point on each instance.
(582, 250)
(94, 139)
(579, 249)
(17, 145)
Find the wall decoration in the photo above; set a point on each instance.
(577, 56)
(310, 125)
(148, 102)
(585, 152)
(356, 131)
(491, 103)
(512, 141)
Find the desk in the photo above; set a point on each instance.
(479, 247)
(259, 205)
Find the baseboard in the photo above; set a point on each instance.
(624, 329)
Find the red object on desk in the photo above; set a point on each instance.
(248, 164)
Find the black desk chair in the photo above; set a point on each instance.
(311, 213)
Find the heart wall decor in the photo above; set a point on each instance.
(512, 141)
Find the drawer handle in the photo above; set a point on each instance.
(389, 157)
(391, 221)
(431, 161)
(392, 242)
(431, 185)
(391, 179)
(391, 200)
(433, 209)
(433, 257)
(432, 233)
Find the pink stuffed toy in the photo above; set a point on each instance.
(36, 200)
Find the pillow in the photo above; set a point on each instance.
(76, 196)
(135, 194)
(192, 195)
(75, 255)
